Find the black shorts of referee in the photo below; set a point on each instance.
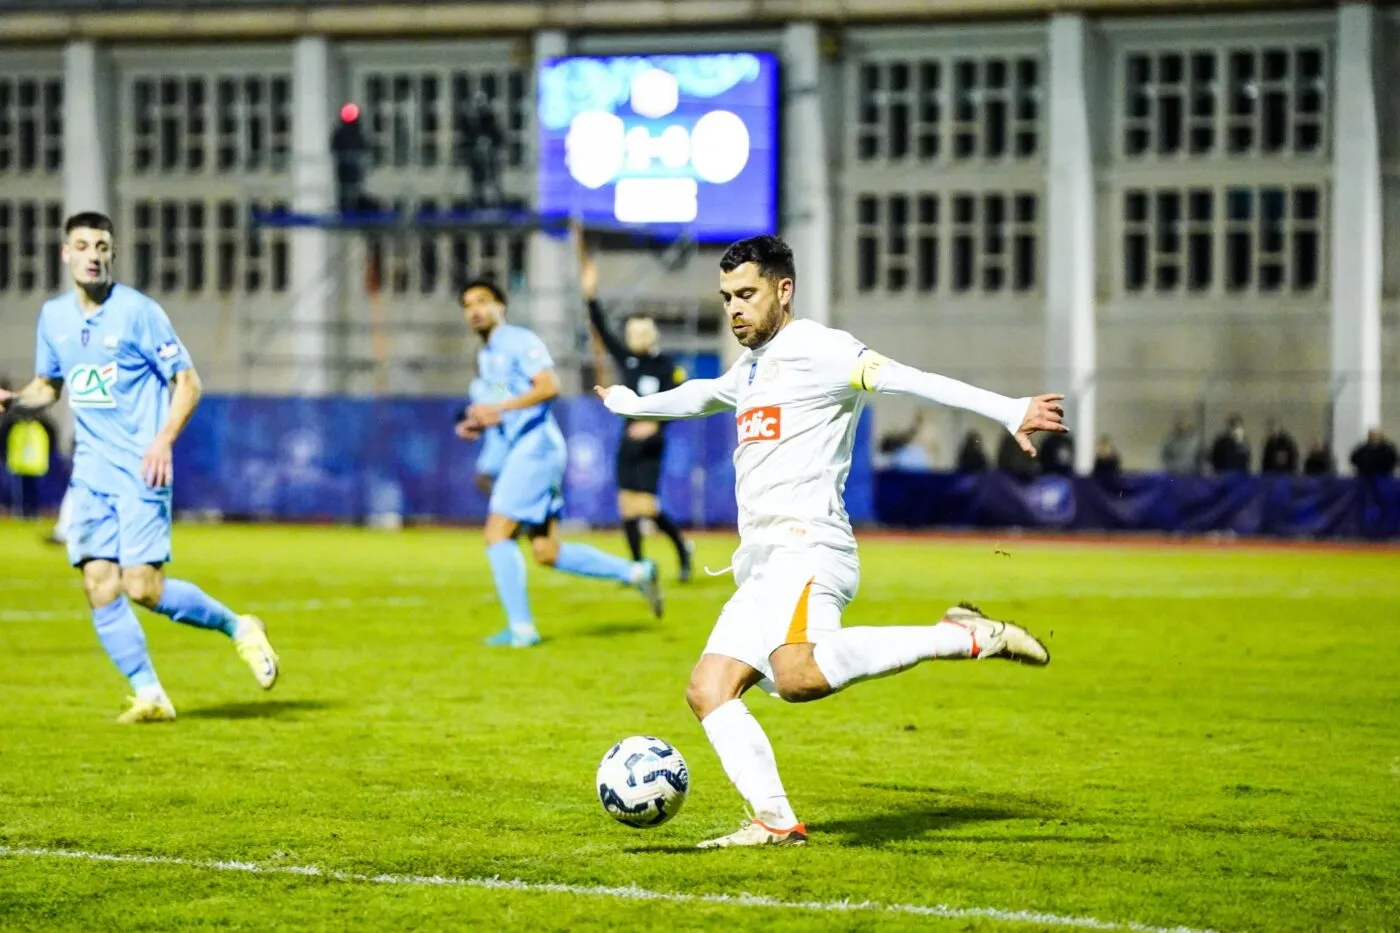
(639, 463)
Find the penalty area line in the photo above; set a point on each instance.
(630, 893)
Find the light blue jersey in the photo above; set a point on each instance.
(505, 368)
(117, 365)
(531, 455)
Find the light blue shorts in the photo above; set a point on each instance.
(126, 529)
(530, 485)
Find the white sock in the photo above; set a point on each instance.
(854, 654)
(747, 756)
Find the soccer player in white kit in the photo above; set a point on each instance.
(798, 390)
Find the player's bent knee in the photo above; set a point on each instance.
(705, 696)
(142, 585)
(796, 675)
(498, 528)
(802, 692)
(102, 582)
(103, 592)
(546, 551)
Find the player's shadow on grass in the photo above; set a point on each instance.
(610, 629)
(877, 829)
(266, 709)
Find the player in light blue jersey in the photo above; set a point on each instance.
(132, 389)
(511, 396)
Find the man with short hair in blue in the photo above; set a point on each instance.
(132, 389)
(514, 388)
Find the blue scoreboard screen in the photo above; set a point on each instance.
(673, 141)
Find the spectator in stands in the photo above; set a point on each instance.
(900, 450)
(1280, 451)
(1376, 457)
(353, 158)
(1107, 462)
(1015, 462)
(1181, 454)
(1230, 452)
(972, 455)
(1319, 461)
(1057, 455)
(480, 133)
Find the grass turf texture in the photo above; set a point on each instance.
(1216, 744)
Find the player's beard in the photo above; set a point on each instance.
(762, 330)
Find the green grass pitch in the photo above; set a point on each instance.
(1216, 745)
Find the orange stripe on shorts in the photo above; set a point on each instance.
(797, 628)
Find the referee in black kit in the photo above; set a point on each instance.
(644, 369)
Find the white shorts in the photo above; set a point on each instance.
(787, 595)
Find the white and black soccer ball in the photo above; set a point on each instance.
(643, 781)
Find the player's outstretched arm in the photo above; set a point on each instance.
(693, 399)
(1021, 416)
(40, 393)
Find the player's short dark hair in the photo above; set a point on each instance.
(488, 284)
(91, 220)
(771, 254)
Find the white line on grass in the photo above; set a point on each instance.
(630, 893)
(285, 605)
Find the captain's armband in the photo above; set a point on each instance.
(867, 366)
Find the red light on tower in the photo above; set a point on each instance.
(349, 113)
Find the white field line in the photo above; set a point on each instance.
(335, 603)
(621, 893)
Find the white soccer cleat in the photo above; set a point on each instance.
(757, 833)
(993, 639)
(150, 707)
(256, 651)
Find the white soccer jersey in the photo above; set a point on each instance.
(796, 413)
(796, 400)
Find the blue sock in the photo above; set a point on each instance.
(508, 570)
(587, 561)
(187, 603)
(125, 642)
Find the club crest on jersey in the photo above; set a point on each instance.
(87, 335)
(760, 424)
(92, 386)
(109, 342)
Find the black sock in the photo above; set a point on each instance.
(632, 527)
(672, 531)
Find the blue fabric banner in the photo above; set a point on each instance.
(1288, 506)
(345, 459)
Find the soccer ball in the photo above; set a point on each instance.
(642, 781)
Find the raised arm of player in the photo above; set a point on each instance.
(46, 386)
(693, 399)
(588, 286)
(1021, 416)
(41, 392)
